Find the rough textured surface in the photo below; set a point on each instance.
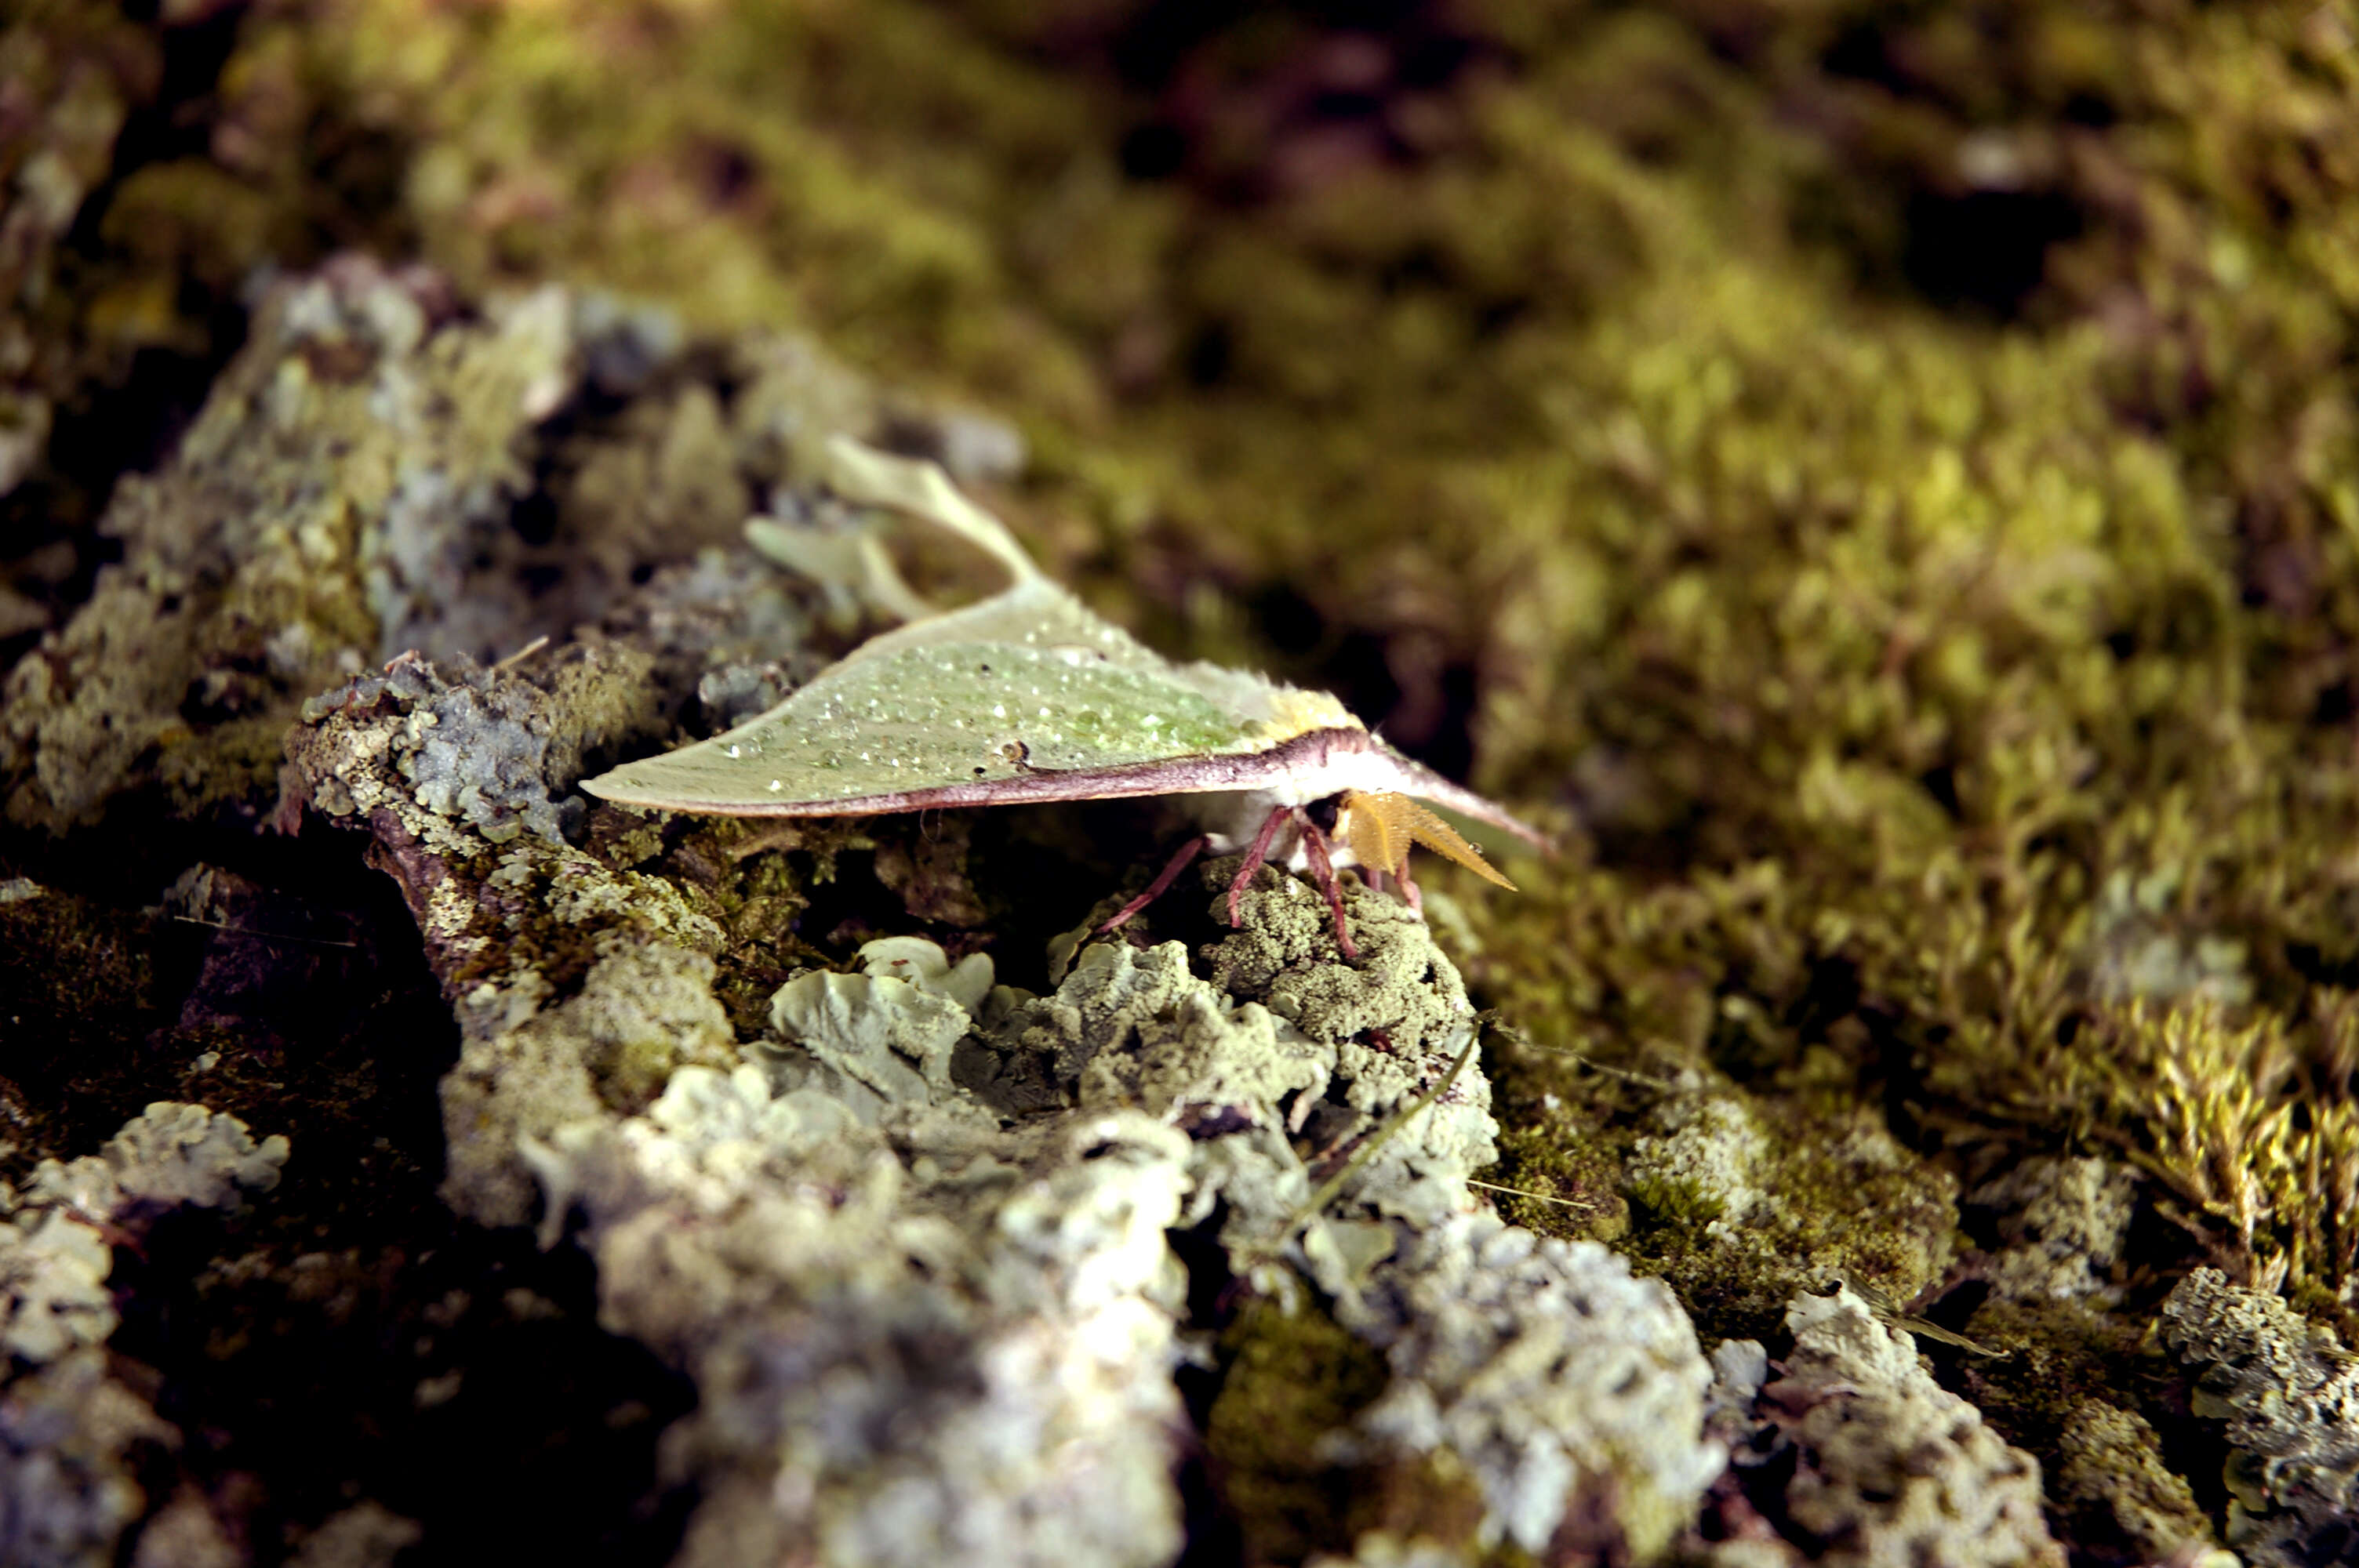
(784, 1206)
(350, 495)
(914, 1155)
(524, 1071)
(70, 1423)
(2062, 1228)
(2288, 1391)
(1891, 1469)
(244, 586)
(2111, 1467)
(1741, 1202)
(1885, 470)
(1569, 1391)
(895, 1371)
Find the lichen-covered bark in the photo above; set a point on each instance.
(1881, 476)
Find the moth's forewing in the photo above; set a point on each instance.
(982, 701)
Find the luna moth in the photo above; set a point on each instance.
(1028, 696)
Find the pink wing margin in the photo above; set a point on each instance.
(1305, 755)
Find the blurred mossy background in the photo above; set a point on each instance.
(1882, 478)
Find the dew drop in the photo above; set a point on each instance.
(999, 710)
(776, 786)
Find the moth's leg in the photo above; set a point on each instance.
(1159, 886)
(1255, 856)
(1410, 895)
(1323, 870)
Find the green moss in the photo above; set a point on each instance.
(1291, 1379)
(1799, 1199)
(1549, 1179)
(2247, 1123)
(2053, 1356)
(2113, 1477)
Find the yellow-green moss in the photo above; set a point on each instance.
(1291, 1379)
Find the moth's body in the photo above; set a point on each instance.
(1028, 695)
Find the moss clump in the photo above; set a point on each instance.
(2113, 1481)
(1550, 1179)
(2246, 1121)
(1743, 1210)
(1291, 1379)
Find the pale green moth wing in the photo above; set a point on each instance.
(1024, 695)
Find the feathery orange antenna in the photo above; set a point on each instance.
(1381, 828)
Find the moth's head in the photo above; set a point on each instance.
(1382, 827)
(1327, 815)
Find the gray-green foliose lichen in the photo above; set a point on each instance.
(914, 1153)
(2289, 1393)
(351, 491)
(69, 1423)
(916, 1150)
(1888, 1466)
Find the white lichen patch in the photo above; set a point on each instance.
(2287, 1391)
(1571, 1391)
(888, 1035)
(68, 1427)
(526, 1070)
(1890, 1467)
(916, 1255)
(56, 1249)
(928, 968)
(68, 1484)
(2062, 1224)
(890, 1374)
(53, 1294)
(169, 1154)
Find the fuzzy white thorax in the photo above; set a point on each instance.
(1230, 819)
